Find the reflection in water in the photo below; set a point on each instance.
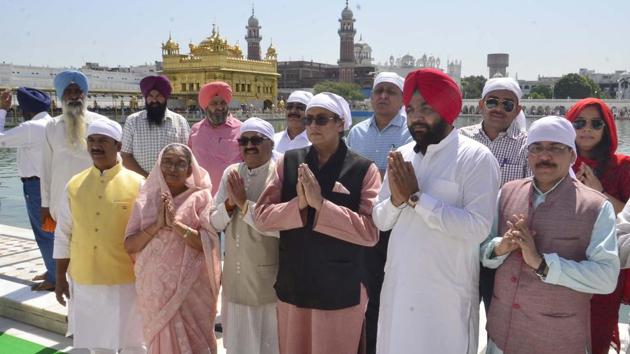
(13, 210)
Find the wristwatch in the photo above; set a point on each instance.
(413, 199)
(542, 270)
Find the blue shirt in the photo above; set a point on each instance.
(367, 140)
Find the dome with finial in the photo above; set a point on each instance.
(272, 54)
(170, 47)
(253, 21)
(346, 14)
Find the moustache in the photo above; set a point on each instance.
(77, 102)
(97, 151)
(251, 150)
(545, 164)
(420, 125)
(293, 115)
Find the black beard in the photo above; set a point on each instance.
(433, 135)
(155, 113)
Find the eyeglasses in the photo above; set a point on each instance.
(596, 124)
(553, 150)
(508, 105)
(255, 140)
(178, 166)
(295, 105)
(320, 120)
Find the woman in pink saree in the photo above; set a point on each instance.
(176, 254)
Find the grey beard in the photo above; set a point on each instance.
(74, 118)
(215, 119)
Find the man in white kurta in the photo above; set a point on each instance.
(251, 257)
(92, 217)
(437, 199)
(64, 152)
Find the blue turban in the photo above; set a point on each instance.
(65, 78)
(33, 100)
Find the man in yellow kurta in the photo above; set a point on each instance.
(89, 237)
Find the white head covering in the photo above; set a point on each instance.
(509, 84)
(502, 83)
(552, 128)
(389, 77)
(300, 97)
(105, 126)
(255, 124)
(333, 103)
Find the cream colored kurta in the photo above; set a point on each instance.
(61, 161)
(431, 281)
(249, 269)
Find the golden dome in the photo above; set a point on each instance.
(272, 54)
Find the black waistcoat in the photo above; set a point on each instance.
(316, 270)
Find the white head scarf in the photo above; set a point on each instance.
(390, 77)
(333, 103)
(261, 126)
(552, 128)
(509, 84)
(106, 127)
(300, 97)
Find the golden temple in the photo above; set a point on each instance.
(253, 81)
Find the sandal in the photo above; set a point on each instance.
(40, 277)
(43, 286)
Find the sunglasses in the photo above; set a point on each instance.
(298, 106)
(177, 166)
(596, 124)
(508, 106)
(320, 120)
(255, 140)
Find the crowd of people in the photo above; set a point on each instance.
(382, 238)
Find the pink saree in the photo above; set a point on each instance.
(177, 286)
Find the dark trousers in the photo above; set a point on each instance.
(373, 269)
(45, 240)
(486, 286)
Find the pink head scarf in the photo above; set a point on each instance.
(215, 88)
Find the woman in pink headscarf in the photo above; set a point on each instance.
(176, 254)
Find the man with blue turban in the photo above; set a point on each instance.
(64, 152)
(28, 138)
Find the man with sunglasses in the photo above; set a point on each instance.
(502, 130)
(213, 139)
(251, 256)
(374, 138)
(294, 137)
(553, 242)
(437, 199)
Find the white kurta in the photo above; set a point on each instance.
(61, 161)
(431, 281)
(283, 143)
(99, 316)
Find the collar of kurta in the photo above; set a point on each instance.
(107, 174)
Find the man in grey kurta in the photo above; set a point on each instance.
(251, 257)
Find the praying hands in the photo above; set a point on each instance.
(402, 178)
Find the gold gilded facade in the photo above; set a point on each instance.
(252, 81)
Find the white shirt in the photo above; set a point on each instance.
(432, 271)
(283, 143)
(28, 138)
(61, 161)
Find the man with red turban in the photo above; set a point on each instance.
(147, 132)
(213, 140)
(438, 199)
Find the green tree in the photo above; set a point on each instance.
(597, 90)
(572, 86)
(472, 86)
(540, 92)
(349, 91)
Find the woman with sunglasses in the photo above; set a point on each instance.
(600, 167)
(320, 201)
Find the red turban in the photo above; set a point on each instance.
(438, 90)
(159, 83)
(215, 88)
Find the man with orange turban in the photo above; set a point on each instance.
(213, 140)
(438, 199)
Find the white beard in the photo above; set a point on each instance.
(74, 117)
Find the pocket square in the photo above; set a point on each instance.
(339, 188)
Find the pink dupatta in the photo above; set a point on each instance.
(177, 286)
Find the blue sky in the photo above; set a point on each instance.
(542, 37)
